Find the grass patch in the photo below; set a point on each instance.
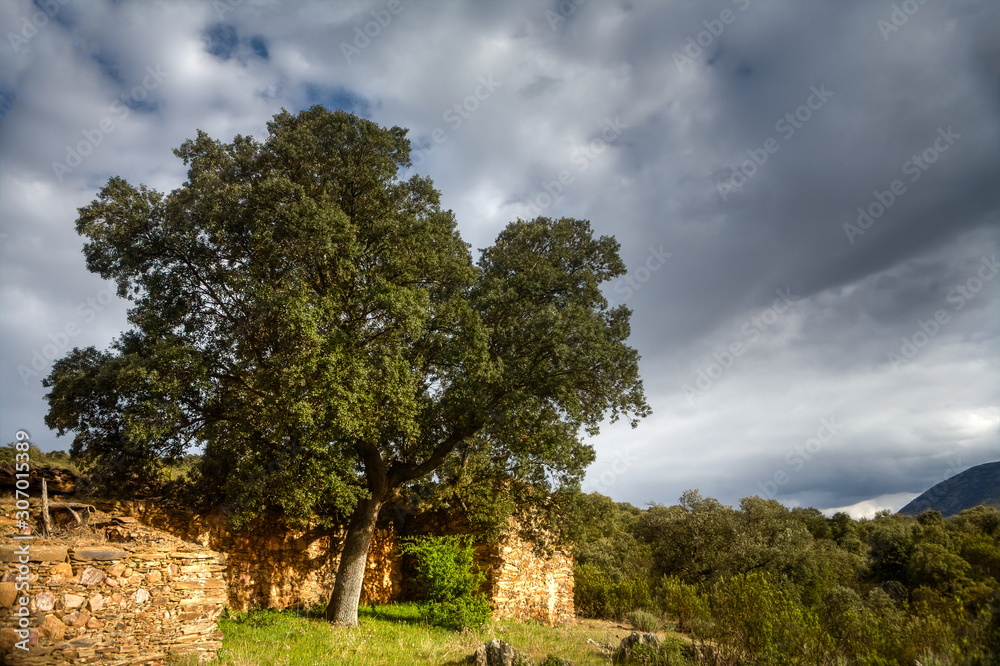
(395, 634)
(643, 621)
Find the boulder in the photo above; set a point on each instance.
(630, 642)
(498, 653)
(53, 628)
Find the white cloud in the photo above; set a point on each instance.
(868, 508)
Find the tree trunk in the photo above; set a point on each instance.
(343, 606)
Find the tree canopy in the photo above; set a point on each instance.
(764, 584)
(315, 322)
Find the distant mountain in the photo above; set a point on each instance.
(976, 485)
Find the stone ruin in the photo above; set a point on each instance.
(158, 583)
(271, 565)
(101, 604)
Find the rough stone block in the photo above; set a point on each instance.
(98, 554)
(92, 577)
(53, 628)
(7, 638)
(200, 584)
(77, 619)
(62, 571)
(45, 601)
(8, 593)
(73, 601)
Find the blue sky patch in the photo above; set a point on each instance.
(259, 46)
(109, 67)
(336, 97)
(223, 41)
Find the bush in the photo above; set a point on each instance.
(448, 580)
(465, 612)
(682, 602)
(643, 621)
(597, 594)
(758, 622)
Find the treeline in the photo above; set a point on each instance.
(140, 481)
(764, 584)
(9, 452)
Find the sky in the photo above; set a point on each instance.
(806, 194)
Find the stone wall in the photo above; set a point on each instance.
(103, 604)
(274, 566)
(271, 565)
(530, 586)
(522, 582)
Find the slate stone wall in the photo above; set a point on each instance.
(523, 582)
(271, 565)
(161, 583)
(107, 603)
(274, 566)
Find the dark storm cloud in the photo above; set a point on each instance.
(727, 145)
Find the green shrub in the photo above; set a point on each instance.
(683, 603)
(465, 612)
(600, 595)
(9, 453)
(758, 622)
(674, 652)
(553, 660)
(448, 582)
(643, 621)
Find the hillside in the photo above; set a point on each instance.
(976, 485)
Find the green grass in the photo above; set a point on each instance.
(643, 621)
(395, 635)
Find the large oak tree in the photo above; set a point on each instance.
(315, 322)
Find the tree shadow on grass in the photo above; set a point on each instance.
(399, 613)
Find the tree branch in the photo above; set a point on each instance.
(400, 474)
